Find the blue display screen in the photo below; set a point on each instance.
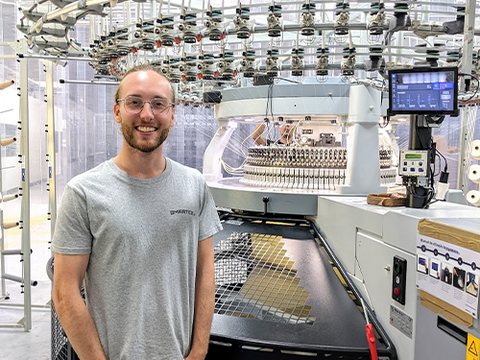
(421, 261)
(423, 92)
(435, 266)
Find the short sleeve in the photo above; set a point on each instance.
(209, 220)
(72, 230)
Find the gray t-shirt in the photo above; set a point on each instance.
(142, 236)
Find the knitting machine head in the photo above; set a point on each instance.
(303, 139)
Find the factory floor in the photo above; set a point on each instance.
(16, 343)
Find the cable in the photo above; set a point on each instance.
(294, 130)
(444, 159)
(270, 88)
(232, 170)
(268, 109)
(440, 156)
(243, 142)
(269, 131)
(433, 155)
(364, 284)
(386, 121)
(476, 89)
(429, 197)
(268, 102)
(441, 188)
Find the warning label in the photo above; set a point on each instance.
(473, 347)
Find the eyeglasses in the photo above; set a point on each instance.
(134, 105)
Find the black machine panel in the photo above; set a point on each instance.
(431, 91)
(280, 305)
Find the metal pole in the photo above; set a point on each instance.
(18, 279)
(52, 174)
(91, 82)
(468, 41)
(5, 295)
(25, 212)
(53, 57)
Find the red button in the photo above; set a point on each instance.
(396, 291)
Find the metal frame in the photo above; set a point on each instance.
(465, 130)
(52, 186)
(5, 295)
(25, 250)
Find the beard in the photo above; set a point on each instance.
(128, 132)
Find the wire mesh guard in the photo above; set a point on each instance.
(255, 279)
(61, 348)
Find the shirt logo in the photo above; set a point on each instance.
(182, 211)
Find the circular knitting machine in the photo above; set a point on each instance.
(321, 67)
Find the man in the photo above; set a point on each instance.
(287, 134)
(139, 228)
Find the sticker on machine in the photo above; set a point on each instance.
(473, 347)
(449, 272)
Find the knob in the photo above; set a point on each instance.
(265, 200)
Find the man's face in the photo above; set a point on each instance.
(144, 131)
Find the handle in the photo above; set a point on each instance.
(371, 341)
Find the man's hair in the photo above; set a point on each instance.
(144, 67)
